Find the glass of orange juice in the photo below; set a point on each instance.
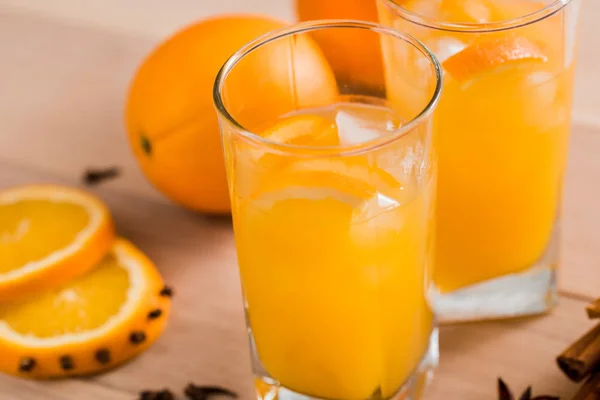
(503, 124)
(332, 201)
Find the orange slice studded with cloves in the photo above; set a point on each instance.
(93, 323)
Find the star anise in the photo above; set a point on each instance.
(504, 393)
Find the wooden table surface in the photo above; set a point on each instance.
(64, 69)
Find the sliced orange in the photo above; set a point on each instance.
(351, 181)
(487, 55)
(255, 163)
(299, 130)
(351, 171)
(49, 235)
(303, 130)
(91, 324)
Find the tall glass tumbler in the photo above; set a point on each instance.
(504, 121)
(332, 198)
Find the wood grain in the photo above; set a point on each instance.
(63, 78)
(152, 18)
(15, 389)
(580, 273)
(587, 94)
(522, 352)
(68, 86)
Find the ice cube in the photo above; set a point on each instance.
(353, 129)
(478, 11)
(377, 216)
(424, 8)
(445, 47)
(544, 81)
(374, 213)
(543, 107)
(407, 164)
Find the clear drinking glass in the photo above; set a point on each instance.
(504, 121)
(331, 191)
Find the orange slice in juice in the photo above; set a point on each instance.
(350, 181)
(303, 130)
(350, 172)
(299, 130)
(488, 55)
(255, 163)
(316, 179)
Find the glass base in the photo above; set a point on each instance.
(268, 388)
(528, 293)
(531, 292)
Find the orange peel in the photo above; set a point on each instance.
(490, 54)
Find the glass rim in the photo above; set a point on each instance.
(478, 27)
(309, 26)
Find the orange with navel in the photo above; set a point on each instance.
(172, 125)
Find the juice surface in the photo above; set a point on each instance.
(503, 126)
(334, 255)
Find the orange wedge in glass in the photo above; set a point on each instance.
(488, 55)
(93, 323)
(257, 162)
(48, 236)
(303, 130)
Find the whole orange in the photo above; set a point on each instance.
(354, 54)
(170, 117)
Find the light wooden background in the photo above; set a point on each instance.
(64, 69)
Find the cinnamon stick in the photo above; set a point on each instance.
(593, 309)
(582, 357)
(591, 389)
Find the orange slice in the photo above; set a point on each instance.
(255, 163)
(488, 55)
(348, 172)
(49, 235)
(303, 130)
(299, 130)
(351, 181)
(91, 324)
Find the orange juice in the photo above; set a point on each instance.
(334, 252)
(503, 126)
